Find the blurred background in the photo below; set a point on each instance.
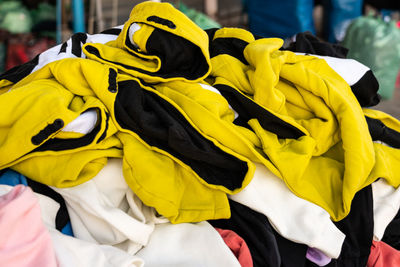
(370, 29)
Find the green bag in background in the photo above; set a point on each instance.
(15, 17)
(201, 19)
(376, 43)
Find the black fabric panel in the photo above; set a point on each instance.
(105, 130)
(292, 254)
(62, 217)
(17, 73)
(77, 40)
(179, 57)
(392, 232)
(112, 31)
(57, 144)
(211, 33)
(306, 42)
(380, 132)
(63, 48)
(256, 231)
(230, 46)
(233, 47)
(358, 227)
(256, 37)
(159, 124)
(248, 109)
(366, 90)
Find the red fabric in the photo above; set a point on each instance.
(383, 255)
(16, 55)
(238, 246)
(22, 48)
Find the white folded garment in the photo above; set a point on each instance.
(386, 205)
(104, 210)
(292, 217)
(71, 251)
(187, 244)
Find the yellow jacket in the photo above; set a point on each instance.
(158, 43)
(37, 109)
(168, 162)
(311, 127)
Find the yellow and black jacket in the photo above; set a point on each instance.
(168, 162)
(37, 109)
(310, 125)
(157, 44)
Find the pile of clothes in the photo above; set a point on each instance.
(159, 144)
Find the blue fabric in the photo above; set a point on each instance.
(338, 15)
(67, 230)
(13, 178)
(284, 19)
(10, 177)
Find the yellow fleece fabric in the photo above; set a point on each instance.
(387, 158)
(129, 52)
(336, 156)
(385, 118)
(53, 94)
(157, 177)
(211, 113)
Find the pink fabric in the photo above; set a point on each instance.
(383, 255)
(238, 246)
(24, 240)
